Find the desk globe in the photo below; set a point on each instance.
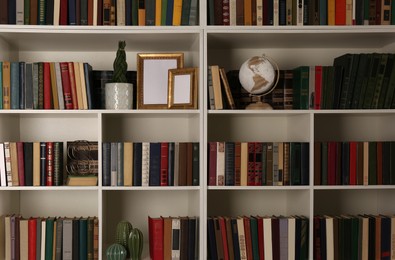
(259, 75)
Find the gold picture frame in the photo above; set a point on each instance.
(182, 88)
(152, 78)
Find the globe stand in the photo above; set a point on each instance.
(258, 104)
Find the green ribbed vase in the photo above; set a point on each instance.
(116, 252)
(135, 244)
(123, 230)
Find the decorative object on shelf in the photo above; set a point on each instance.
(119, 93)
(135, 244)
(122, 235)
(152, 78)
(259, 75)
(116, 252)
(182, 88)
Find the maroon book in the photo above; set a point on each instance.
(212, 170)
(155, 232)
(47, 86)
(331, 163)
(251, 164)
(63, 12)
(49, 164)
(64, 68)
(258, 164)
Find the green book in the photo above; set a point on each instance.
(49, 231)
(254, 237)
(41, 12)
(370, 88)
(295, 167)
(354, 237)
(163, 13)
(388, 101)
(386, 81)
(329, 85)
(26, 12)
(363, 65)
(301, 87)
(83, 238)
(186, 7)
(379, 80)
(135, 7)
(15, 85)
(372, 172)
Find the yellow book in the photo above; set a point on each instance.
(247, 12)
(243, 164)
(6, 85)
(78, 84)
(177, 9)
(128, 164)
(158, 12)
(54, 86)
(36, 164)
(88, 180)
(331, 12)
(217, 87)
(83, 86)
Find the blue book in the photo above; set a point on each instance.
(137, 157)
(22, 85)
(72, 12)
(192, 228)
(83, 239)
(169, 14)
(212, 245)
(43, 151)
(14, 85)
(128, 12)
(171, 164)
(11, 11)
(1, 85)
(120, 174)
(88, 74)
(154, 164)
(106, 164)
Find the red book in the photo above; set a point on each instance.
(63, 12)
(155, 232)
(353, 163)
(222, 226)
(340, 12)
(212, 170)
(251, 164)
(32, 238)
(49, 164)
(332, 163)
(318, 87)
(258, 164)
(237, 163)
(68, 102)
(247, 233)
(21, 163)
(73, 85)
(379, 163)
(164, 163)
(47, 86)
(260, 238)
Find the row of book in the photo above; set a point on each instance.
(299, 12)
(45, 85)
(354, 163)
(173, 237)
(258, 163)
(100, 12)
(258, 237)
(150, 164)
(361, 236)
(31, 164)
(49, 238)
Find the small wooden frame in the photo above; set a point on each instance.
(183, 88)
(152, 78)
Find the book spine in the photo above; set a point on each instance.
(229, 163)
(145, 161)
(195, 164)
(164, 164)
(58, 163)
(22, 85)
(258, 164)
(237, 166)
(154, 164)
(106, 164)
(137, 164)
(119, 162)
(49, 164)
(171, 164)
(251, 164)
(6, 85)
(40, 85)
(47, 86)
(64, 67)
(220, 164)
(212, 164)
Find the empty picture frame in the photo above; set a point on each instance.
(182, 88)
(152, 78)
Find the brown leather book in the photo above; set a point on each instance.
(6, 85)
(189, 165)
(184, 238)
(167, 231)
(276, 237)
(218, 239)
(247, 232)
(229, 237)
(4, 12)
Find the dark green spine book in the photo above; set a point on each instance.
(135, 8)
(49, 231)
(388, 101)
(354, 238)
(379, 80)
(372, 173)
(186, 7)
(83, 239)
(304, 165)
(337, 87)
(324, 88)
(254, 237)
(365, 80)
(163, 13)
(363, 66)
(26, 12)
(41, 12)
(304, 239)
(386, 81)
(345, 61)
(295, 167)
(330, 86)
(370, 88)
(76, 240)
(301, 87)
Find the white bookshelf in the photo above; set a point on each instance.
(202, 46)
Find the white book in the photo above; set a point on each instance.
(67, 245)
(59, 85)
(267, 238)
(20, 5)
(242, 238)
(83, 86)
(43, 223)
(176, 162)
(94, 12)
(259, 12)
(330, 248)
(145, 164)
(275, 12)
(299, 12)
(291, 237)
(175, 239)
(56, 12)
(7, 156)
(220, 164)
(3, 174)
(120, 12)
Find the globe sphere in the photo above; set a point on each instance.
(257, 75)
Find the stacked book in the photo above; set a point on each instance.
(258, 163)
(50, 238)
(46, 85)
(362, 236)
(258, 237)
(173, 237)
(299, 12)
(31, 164)
(354, 163)
(100, 12)
(150, 164)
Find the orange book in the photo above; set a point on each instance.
(177, 7)
(141, 13)
(158, 12)
(247, 12)
(6, 85)
(72, 86)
